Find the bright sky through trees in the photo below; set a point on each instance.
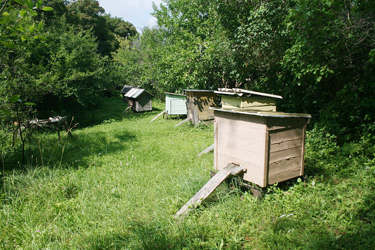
(137, 12)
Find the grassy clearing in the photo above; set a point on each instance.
(120, 182)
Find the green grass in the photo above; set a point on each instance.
(119, 184)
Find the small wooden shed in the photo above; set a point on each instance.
(198, 104)
(139, 99)
(175, 104)
(269, 145)
(246, 99)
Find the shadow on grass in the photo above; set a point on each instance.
(83, 150)
(139, 236)
(79, 150)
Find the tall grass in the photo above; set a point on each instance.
(122, 181)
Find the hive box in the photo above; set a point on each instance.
(269, 145)
(175, 104)
(138, 99)
(198, 105)
(246, 99)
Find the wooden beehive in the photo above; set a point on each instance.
(269, 145)
(198, 104)
(175, 104)
(247, 99)
(138, 99)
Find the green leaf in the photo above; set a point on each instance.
(31, 28)
(20, 2)
(23, 13)
(30, 4)
(40, 26)
(30, 103)
(39, 3)
(15, 98)
(47, 9)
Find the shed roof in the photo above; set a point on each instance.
(126, 88)
(135, 92)
(244, 92)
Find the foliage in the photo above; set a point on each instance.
(89, 15)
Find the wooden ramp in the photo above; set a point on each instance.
(164, 111)
(211, 185)
(209, 149)
(182, 122)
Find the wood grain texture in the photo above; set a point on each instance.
(255, 103)
(211, 185)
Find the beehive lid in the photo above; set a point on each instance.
(263, 114)
(199, 90)
(246, 93)
(174, 94)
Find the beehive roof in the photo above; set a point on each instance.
(244, 92)
(135, 93)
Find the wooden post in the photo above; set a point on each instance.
(186, 120)
(158, 115)
(211, 185)
(209, 149)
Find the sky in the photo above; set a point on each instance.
(137, 12)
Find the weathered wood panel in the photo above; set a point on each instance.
(211, 185)
(282, 145)
(254, 103)
(271, 149)
(286, 123)
(254, 173)
(199, 103)
(240, 142)
(284, 170)
(286, 135)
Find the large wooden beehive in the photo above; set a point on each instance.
(198, 105)
(269, 145)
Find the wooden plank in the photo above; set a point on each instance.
(182, 122)
(285, 154)
(284, 170)
(277, 123)
(291, 134)
(254, 170)
(283, 145)
(158, 115)
(211, 185)
(285, 164)
(249, 142)
(303, 151)
(251, 120)
(209, 149)
(266, 158)
(256, 135)
(242, 154)
(127, 109)
(216, 143)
